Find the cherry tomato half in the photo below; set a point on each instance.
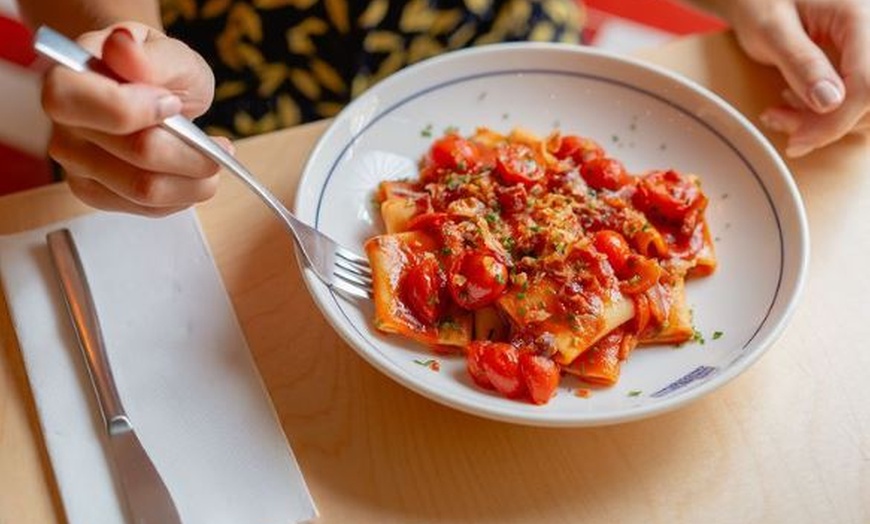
(579, 149)
(512, 199)
(474, 362)
(454, 153)
(614, 246)
(519, 164)
(501, 364)
(422, 290)
(540, 375)
(424, 221)
(605, 173)
(478, 280)
(669, 195)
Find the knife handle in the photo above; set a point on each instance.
(80, 304)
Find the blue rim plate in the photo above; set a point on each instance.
(643, 115)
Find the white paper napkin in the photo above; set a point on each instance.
(184, 373)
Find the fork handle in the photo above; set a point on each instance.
(80, 304)
(194, 136)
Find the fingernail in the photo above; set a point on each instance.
(797, 149)
(168, 105)
(123, 32)
(227, 144)
(826, 95)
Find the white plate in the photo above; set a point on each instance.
(646, 117)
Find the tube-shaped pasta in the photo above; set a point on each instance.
(390, 258)
(537, 313)
(648, 241)
(601, 363)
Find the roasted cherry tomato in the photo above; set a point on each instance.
(540, 375)
(580, 150)
(613, 246)
(426, 221)
(670, 196)
(422, 290)
(500, 362)
(454, 153)
(519, 164)
(686, 247)
(605, 173)
(478, 279)
(512, 199)
(474, 362)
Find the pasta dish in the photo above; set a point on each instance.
(537, 257)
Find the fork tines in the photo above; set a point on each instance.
(352, 273)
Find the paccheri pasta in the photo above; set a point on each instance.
(537, 257)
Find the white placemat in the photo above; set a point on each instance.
(183, 368)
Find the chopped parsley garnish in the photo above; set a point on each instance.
(450, 130)
(508, 243)
(697, 336)
(431, 363)
(427, 131)
(717, 335)
(635, 393)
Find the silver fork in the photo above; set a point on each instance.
(338, 267)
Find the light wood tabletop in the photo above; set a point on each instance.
(788, 441)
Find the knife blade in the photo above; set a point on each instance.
(148, 500)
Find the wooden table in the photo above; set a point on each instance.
(789, 441)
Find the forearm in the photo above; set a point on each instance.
(74, 17)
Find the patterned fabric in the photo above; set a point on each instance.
(280, 63)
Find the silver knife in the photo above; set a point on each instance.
(148, 499)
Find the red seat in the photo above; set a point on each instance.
(19, 170)
(667, 15)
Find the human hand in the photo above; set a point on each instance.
(105, 133)
(825, 100)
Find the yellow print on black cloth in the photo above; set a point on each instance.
(279, 63)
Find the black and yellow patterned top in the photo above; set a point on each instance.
(279, 63)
